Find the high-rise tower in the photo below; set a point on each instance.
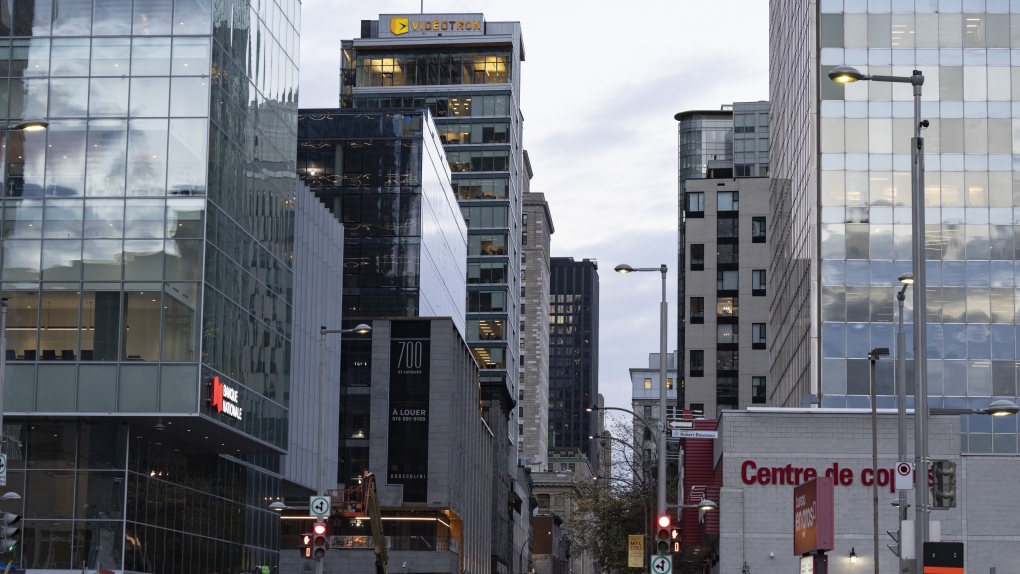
(842, 208)
(467, 72)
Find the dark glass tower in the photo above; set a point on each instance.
(573, 353)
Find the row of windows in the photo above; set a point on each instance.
(430, 68)
(473, 133)
(730, 281)
(945, 273)
(944, 136)
(945, 341)
(883, 188)
(725, 307)
(110, 17)
(462, 105)
(906, 31)
(945, 304)
(942, 242)
(118, 57)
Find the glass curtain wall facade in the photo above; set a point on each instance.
(970, 93)
(384, 176)
(145, 239)
(573, 354)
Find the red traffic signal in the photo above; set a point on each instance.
(663, 538)
(320, 543)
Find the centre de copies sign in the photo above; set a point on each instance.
(813, 521)
(751, 473)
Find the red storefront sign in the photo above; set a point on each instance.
(813, 521)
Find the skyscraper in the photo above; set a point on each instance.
(843, 206)
(573, 354)
(533, 398)
(467, 72)
(146, 243)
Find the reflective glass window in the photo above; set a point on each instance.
(190, 56)
(105, 158)
(150, 97)
(153, 18)
(65, 162)
(111, 17)
(150, 56)
(71, 17)
(194, 17)
(147, 144)
(108, 97)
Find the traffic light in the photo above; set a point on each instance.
(319, 540)
(944, 493)
(662, 541)
(306, 545)
(9, 532)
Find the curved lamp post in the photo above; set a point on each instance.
(624, 268)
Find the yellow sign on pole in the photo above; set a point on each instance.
(636, 551)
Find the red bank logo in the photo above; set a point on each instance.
(218, 392)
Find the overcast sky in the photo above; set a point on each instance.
(600, 84)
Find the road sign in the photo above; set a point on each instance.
(904, 475)
(662, 564)
(3, 470)
(688, 433)
(318, 506)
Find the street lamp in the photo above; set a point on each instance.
(998, 408)
(703, 505)
(873, 356)
(846, 74)
(907, 279)
(624, 268)
(320, 487)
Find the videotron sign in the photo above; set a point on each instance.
(431, 25)
(224, 399)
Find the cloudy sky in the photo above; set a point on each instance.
(600, 85)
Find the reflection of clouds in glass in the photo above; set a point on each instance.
(186, 169)
(65, 165)
(107, 147)
(21, 260)
(147, 157)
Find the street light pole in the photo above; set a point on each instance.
(320, 482)
(844, 74)
(3, 370)
(901, 409)
(873, 356)
(663, 318)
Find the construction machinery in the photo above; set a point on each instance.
(362, 501)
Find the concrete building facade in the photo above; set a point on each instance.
(727, 294)
(760, 455)
(533, 397)
(431, 456)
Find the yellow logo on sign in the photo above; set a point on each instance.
(398, 25)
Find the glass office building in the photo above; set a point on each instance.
(385, 176)
(848, 201)
(574, 354)
(146, 242)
